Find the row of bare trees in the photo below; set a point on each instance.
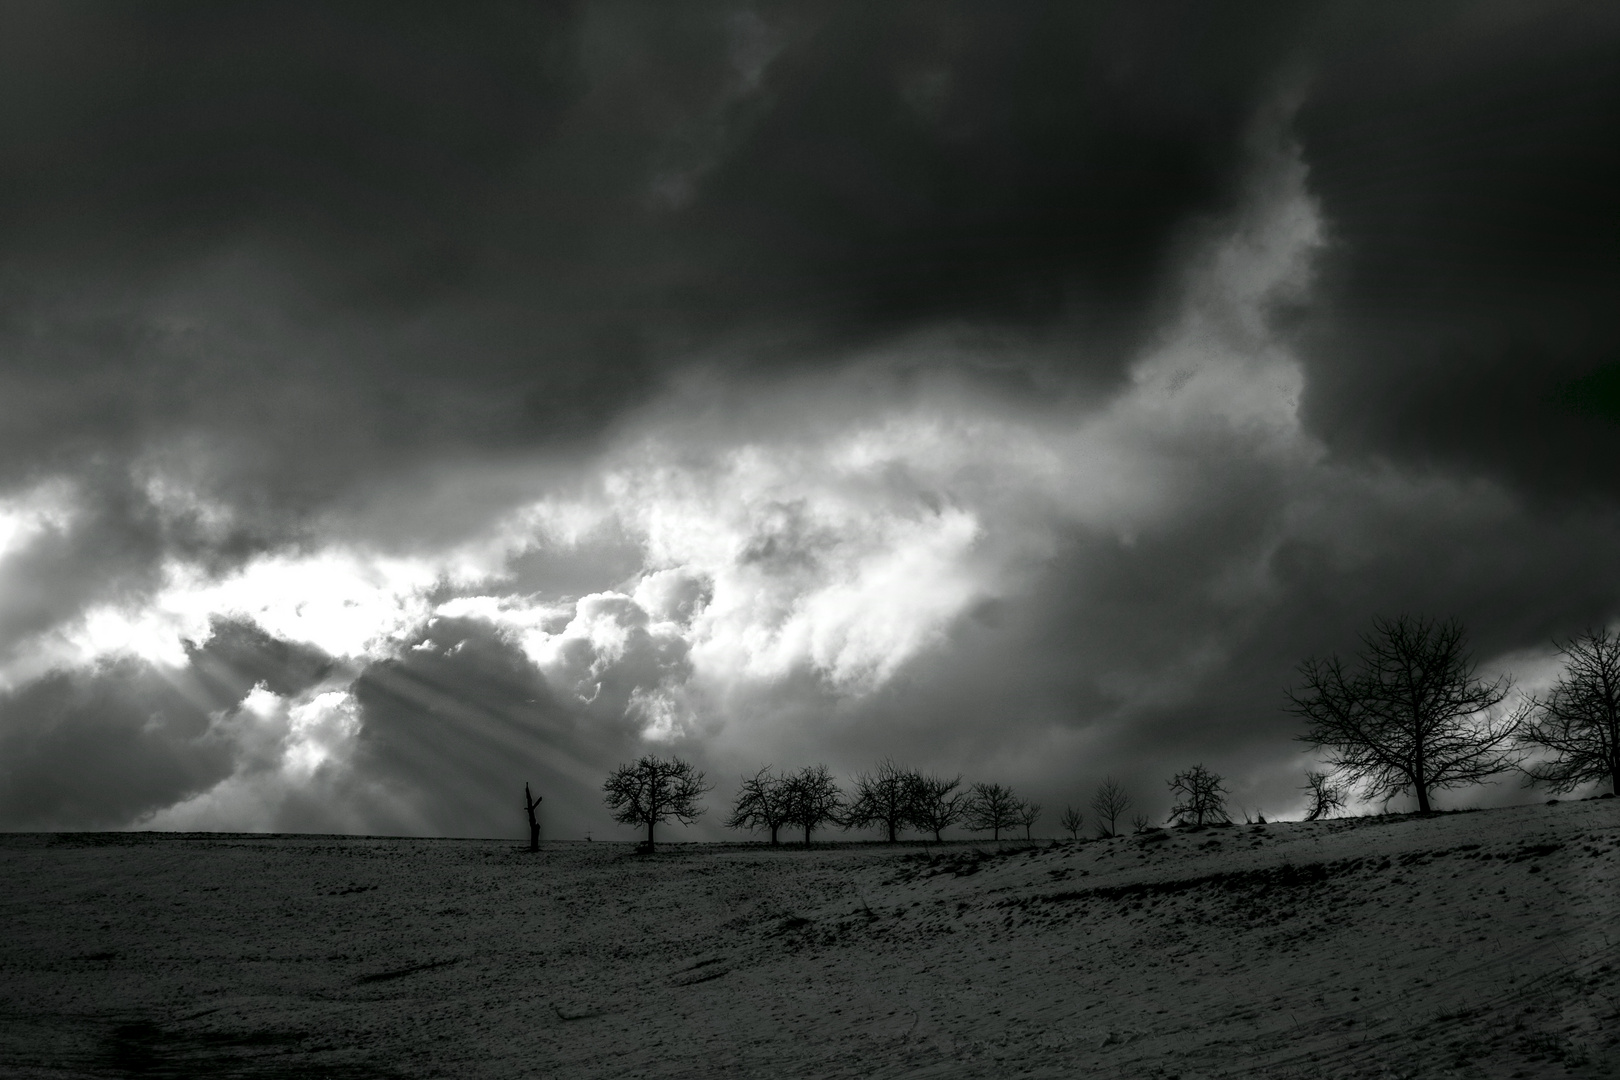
(890, 797)
(1109, 804)
(1200, 800)
(656, 790)
(1410, 716)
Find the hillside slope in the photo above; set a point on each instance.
(1475, 945)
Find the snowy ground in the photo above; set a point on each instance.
(1478, 945)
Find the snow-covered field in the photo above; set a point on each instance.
(1473, 944)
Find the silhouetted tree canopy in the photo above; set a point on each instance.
(811, 797)
(1109, 802)
(1412, 716)
(1028, 814)
(991, 808)
(885, 796)
(1071, 821)
(761, 803)
(1326, 796)
(654, 790)
(1200, 797)
(936, 803)
(1579, 718)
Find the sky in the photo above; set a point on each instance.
(401, 403)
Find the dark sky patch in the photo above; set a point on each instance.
(1464, 158)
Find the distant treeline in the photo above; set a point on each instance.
(1409, 716)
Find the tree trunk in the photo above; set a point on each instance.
(890, 823)
(649, 834)
(807, 836)
(1419, 778)
(773, 834)
(529, 803)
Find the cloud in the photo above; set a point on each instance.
(1461, 157)
(119, 739)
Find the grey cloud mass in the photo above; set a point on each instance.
(399, 403)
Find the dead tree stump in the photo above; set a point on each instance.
(529, 804)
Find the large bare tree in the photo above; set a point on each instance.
(1413, 716)
(1109, 802)
(1579, 718)
(812, 798)
(885, 796)
(991, 808)
(1200, 797)
(761, 803)
(654, 790)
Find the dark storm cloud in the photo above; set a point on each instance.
(1466, 162)
(103, 747)
(399, 232)
(411, 230)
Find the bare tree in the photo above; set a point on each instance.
(991, 808)
(1579, 719)
(654, 790)
(1109, 802)
(1414, 716)
(1139, 822)
(885, 796)
(1200, 797)
(1028, 814)
(1071, 821)
(812, 798)
(761, 804)
(936, 804)
(1326, 796)
(530, 804)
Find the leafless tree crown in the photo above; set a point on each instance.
(936, 803)
(1109, 803)
(1028, 814)
(1326, 796)
(1413, 716)
(1071, 821)
(1200, 797)
(761, 803)
(1578, 720)
(655, 790)
(991, 808)
(885, 796)
(812, 798)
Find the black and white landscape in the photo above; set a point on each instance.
(1217, 405)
